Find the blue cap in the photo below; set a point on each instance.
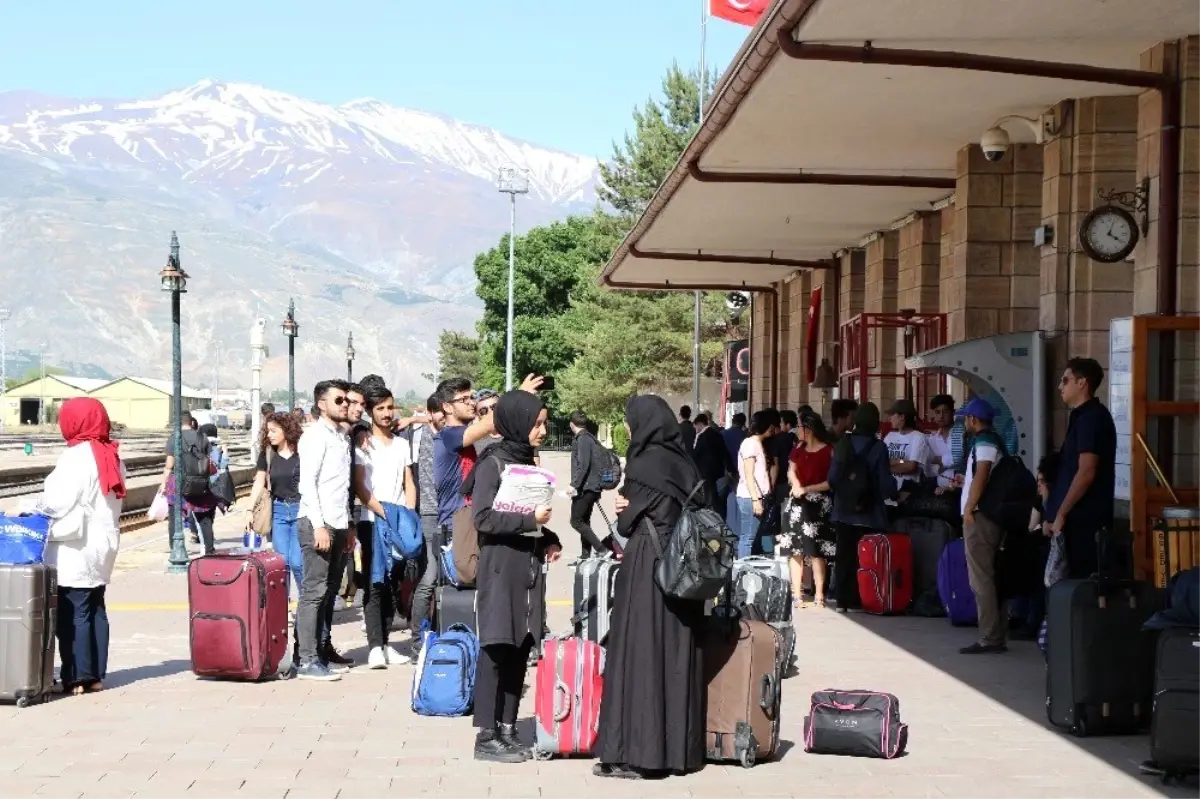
(979, 408)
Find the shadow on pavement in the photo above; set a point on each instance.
(1015, 679)
(167, 668)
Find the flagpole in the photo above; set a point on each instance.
(696, 294)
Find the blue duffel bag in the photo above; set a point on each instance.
(23, 538)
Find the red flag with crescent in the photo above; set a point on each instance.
(743, 12)
(812, 335)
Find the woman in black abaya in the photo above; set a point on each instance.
(652, 713)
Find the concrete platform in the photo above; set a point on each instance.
(977, 724)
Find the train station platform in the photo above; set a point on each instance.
(977, 724)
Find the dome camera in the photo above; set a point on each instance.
(994, 144)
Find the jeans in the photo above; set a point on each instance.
(747, 528)
(82, 635)
(845, 566)
(378, 605)
(204, 521)
(581, 519)
(498, 683)
(731, 512)
(284, 540)
(422, 601)
(314, 616)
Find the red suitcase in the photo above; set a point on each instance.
(885, 572)
(238, 611)
(568, 687)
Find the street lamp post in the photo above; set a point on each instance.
(174, 280)
(349, 357)
(4, 317)
(291, 330)
(512, 181)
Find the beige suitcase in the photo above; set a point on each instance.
(743, 669)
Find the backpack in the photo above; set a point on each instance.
(698, 559)
(444, 680)
(1011, 489)
(610, 472)
(464, 546)
(857, 488)
(197, 467)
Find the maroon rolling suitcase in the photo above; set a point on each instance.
(238, 611)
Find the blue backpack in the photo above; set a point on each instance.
(444, 681)
(449, 570)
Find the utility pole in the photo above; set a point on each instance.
(511, 181)
(696, 298)
(42, 389)
(258, 353)
(4, 317)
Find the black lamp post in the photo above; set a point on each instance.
(291, 330)
(174, 280)
(349, 357)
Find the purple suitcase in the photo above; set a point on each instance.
(954, 587)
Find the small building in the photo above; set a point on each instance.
(23, 402)
(144, 403)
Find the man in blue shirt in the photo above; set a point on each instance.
(1081, 499)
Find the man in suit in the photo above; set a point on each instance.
(712, 458)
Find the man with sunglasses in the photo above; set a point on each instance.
(485, 402)
(324, 528)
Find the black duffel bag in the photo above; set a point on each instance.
(856, 724)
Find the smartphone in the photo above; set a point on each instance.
(547, 383)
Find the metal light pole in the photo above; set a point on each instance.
(174, 280)
(512, 181)
(42, 389)
(696, 299)
(349, 357)
(258, 352)
(291, 330)
(4, 317)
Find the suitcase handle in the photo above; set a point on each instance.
(562, 701)
(767, 693)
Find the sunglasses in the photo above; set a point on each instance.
(1062, 381)
(485, 411)
(342, 400)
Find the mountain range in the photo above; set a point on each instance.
(369, 215)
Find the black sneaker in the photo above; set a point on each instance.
(983, 649)
(490, 748)
(507, 735)
(335, 658)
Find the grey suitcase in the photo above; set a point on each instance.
(595, 589)
(28, 605)
(456, 606)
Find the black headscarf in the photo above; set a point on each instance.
(811, 420)
(515, 415)
(657, 458)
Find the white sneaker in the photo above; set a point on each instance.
(339, 604)
(394, 658)
(364, 626)
(377, 659)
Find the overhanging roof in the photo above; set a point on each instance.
(776, 114)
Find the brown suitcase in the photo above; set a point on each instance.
(742, 671)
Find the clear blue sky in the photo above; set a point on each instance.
(565, 74)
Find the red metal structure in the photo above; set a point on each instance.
(869, 343)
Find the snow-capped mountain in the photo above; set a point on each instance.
(370, 214)
(212, 129)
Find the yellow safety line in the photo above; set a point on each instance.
(165, 606)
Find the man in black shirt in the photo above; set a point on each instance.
(588, 459)
(712, 459)
(1081, 499)
(686, 428)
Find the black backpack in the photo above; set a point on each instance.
(610, 471)
(196, 467)
(697, 561)
(857, 488)
(1011, 489)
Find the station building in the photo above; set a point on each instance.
(957, 194)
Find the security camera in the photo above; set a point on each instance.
(994, 144)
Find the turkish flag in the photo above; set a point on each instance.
(743, 12)
(813, 337)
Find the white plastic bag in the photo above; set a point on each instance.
(1056, 561)
(524, 488)
(159, 509)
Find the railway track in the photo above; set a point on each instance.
(33, 485)
(136, 518)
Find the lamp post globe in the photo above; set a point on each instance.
(174, 281)
(291, 330)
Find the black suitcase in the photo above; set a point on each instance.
(929, 537)
(1175, 726)
(1100, 665)
(456, 606)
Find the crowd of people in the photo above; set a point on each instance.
(327, 481)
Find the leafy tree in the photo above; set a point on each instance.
(458, 356)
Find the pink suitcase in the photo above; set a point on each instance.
(568, 686)
(238, 611)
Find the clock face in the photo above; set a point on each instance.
(1109, 235)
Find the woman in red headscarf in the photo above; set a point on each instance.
(83, 497)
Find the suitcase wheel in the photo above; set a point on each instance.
(747, 758)
(542, 755)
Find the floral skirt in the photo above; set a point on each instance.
(807, 530)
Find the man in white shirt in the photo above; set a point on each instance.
(941, 461)
(324, 523)
(908, 449)
(981, 535)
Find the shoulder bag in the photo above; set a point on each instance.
(697, 561)
(261, 515)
